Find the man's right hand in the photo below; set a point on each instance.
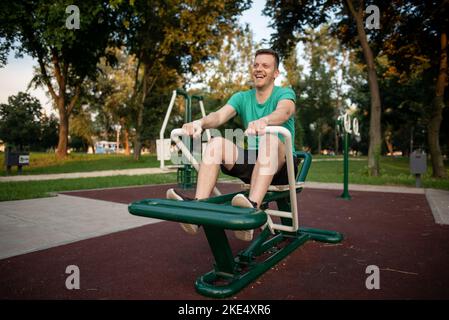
(193, 128)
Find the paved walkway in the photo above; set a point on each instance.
(93, 174)
(36, 224)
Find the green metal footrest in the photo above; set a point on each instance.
(221, 283)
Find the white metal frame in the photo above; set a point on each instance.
(164, 126)
(175, 134)
(292, 185)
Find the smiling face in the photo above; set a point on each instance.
(264, 71)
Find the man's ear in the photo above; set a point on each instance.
(276, 73)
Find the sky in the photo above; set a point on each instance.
(17, 74)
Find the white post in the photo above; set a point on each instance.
(290, 170)
(164, 125)
(203, 112)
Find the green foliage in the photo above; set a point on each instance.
(227, 74)
(81, 129)
(38, 28)
(49, 133)
(19, 121)
(65, 57)
(179, 33)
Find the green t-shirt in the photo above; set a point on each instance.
(247, 107)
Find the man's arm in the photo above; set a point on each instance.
(219, 117)
(212, 120)
(284, 110)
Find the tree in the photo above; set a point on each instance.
(81, 127)
(66, 57)
(227, 73)
(230, 71)
(49, 133)
(290, 20)
(20, 121)
(173, 35)
(317, 90)
(295, 80)
(417, 48)
(109, 96)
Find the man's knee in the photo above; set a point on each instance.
(219, 150)
(271, 151)
(269, 146)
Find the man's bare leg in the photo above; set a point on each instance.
(270, 160)
(219, 150)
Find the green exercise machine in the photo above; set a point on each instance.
(280, 236)
(186, 175)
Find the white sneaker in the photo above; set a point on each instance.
(240, 200)
(173, 195)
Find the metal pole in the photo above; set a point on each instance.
(186, 173)
(345, 195)
(164, 125)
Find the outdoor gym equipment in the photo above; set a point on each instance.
(345, 122)
(186, 176)
(276, 241)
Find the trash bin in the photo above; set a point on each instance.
(418, 165)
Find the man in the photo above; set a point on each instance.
(263, 163)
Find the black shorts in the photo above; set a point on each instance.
(243, 169)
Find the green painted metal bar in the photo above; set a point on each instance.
(267, 245)
(322, 235)
(255, 246)
(307, 162)
(197, 97)
(200, 213)
(221, 250)
(204, 284)
(186, 175)
(284, 205)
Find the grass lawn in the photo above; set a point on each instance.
(47, 163)
(394, 171)
(40, 189)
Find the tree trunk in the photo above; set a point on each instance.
(137, 141)
(375, 142)
(336, 142)
(389, 144)
(126, 141)
(149, 80)
(125, 135)
(319, 141)
(63, 131)
(433, 128)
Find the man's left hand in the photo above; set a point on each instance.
(257, 127)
